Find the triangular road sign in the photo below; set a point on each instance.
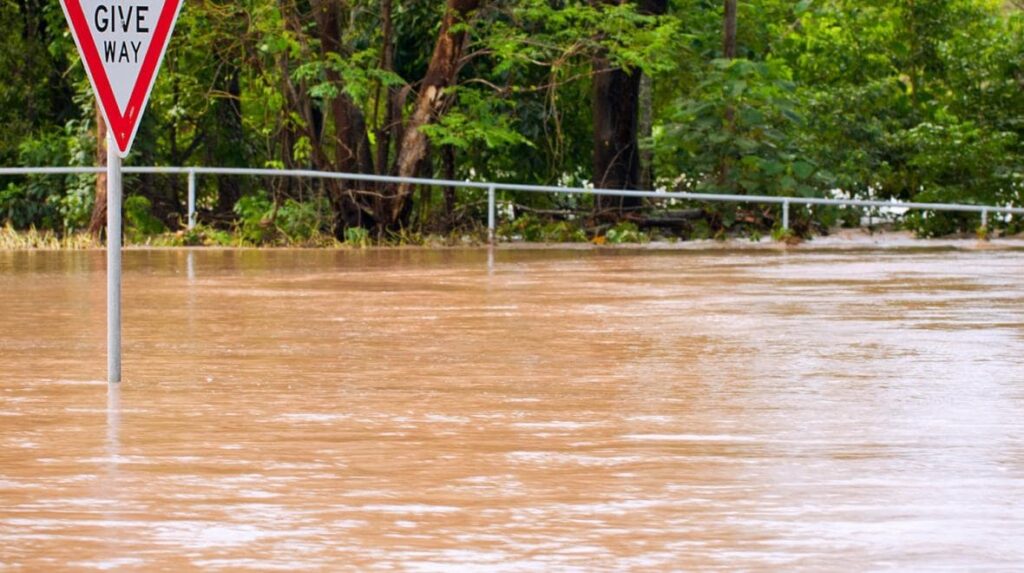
(122, 43)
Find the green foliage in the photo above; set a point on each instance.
(929, 224)
(531, 228)
(899, 94)
(255, 224)
(524, 228)
(739, 132)
(478, 121)
(202, 235)
(139, 219)
(357, 237)
(23, 206)
(625, 232)
(302, 221)
(701, 231)
(563, 232)
(866, 99)
(264, 222)
(58, 202)
(781, 235)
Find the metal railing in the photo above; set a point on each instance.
(492, 188)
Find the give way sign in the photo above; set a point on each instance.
(122, 43)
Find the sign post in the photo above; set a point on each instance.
(122, 43)
(113, 262)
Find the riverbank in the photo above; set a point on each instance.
(838, 239)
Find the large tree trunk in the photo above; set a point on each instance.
(349, 137)
(392, 112)
(615, 109)
(99, 209)
(350, 142)
(431, 101)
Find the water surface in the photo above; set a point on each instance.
(554, 410)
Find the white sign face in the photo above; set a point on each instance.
(122, 43)
(123, 34)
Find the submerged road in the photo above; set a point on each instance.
(560, 410)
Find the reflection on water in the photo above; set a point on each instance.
(190, 266)
(515, 410)
(113, 421)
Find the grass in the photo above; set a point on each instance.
(32, 239)
(534, 232)
(201, 236)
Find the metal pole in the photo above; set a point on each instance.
(984, 219)
(785, 216)
(191, 199)
(113, 262)
(490, 214)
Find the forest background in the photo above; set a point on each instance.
(885, 99)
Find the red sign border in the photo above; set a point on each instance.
(122, 126)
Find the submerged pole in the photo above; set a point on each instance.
(113, 262)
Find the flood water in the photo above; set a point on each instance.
(554, 410)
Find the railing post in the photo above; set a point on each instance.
(984, 218)
(785, 215)
(490, 214)
(191, 199)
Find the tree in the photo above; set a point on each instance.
(432, 99)
(615, 108)
(911, 100)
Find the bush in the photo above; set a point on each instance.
(357, 237)
(302, 221)
(139, 219)
(625, 232)
(254, 225)
(531, 228)
(62, 203)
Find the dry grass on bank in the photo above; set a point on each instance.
(33, 239)
(13, 240)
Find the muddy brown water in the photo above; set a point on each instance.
(555, 410)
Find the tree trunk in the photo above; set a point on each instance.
(347, 123)
(615, 107)
(431, 101)
(729, 30)
(98, 221)
(728, 52)
(349, 137)
(392, 113)
(615, 110)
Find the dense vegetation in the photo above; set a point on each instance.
(906, 99)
